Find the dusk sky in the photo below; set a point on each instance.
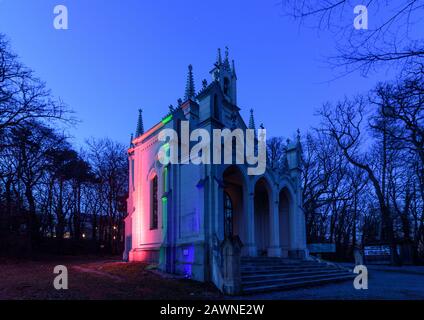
(119, 56)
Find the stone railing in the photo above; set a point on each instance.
(227, 260)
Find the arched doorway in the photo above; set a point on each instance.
(233, 203)
(284, 207)
(262, 216)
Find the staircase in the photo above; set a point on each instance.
(260, 274)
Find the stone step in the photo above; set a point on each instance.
(274, 276)
(269, 269)
(261, 274)
(278, 280)
(289, 272)
(280, 263)
(274, 260)
(269, 259)
(296, 283)
(273, 264)
(276, 263)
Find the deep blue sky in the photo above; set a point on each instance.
(121, 55)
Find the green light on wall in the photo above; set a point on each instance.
(165, 213)
(167, 119)
(165, 179)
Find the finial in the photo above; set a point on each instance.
(204, 83)
(180, 102)
(189, 90)
(219, 58)
(131, 140)
(262, 126)
(234, 69)
(226, 61)
(171, 108)
(298, 135)
(140, 127)
(251, 120)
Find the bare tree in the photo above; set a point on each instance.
(109, 162)
(276, 150)
(345, 124)
(47, 189)
(23, 97)
(391, 37)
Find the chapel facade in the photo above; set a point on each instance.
(180, 214)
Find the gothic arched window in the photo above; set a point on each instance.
(228, 215)
(154, 203)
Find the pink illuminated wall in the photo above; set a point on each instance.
(145, 240)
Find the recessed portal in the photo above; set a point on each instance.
(233, 205)
(262, 230)
(284, 218)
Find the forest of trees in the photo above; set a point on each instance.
(363, 169)
(363, 165)
(50, 193)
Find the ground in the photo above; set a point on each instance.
(108, 278)
(94, 278)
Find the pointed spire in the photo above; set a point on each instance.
(252, 120)
(131, 140)
(219, 58)
(226, 60)
(140, 126)
(234, 69)
(189, 90)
